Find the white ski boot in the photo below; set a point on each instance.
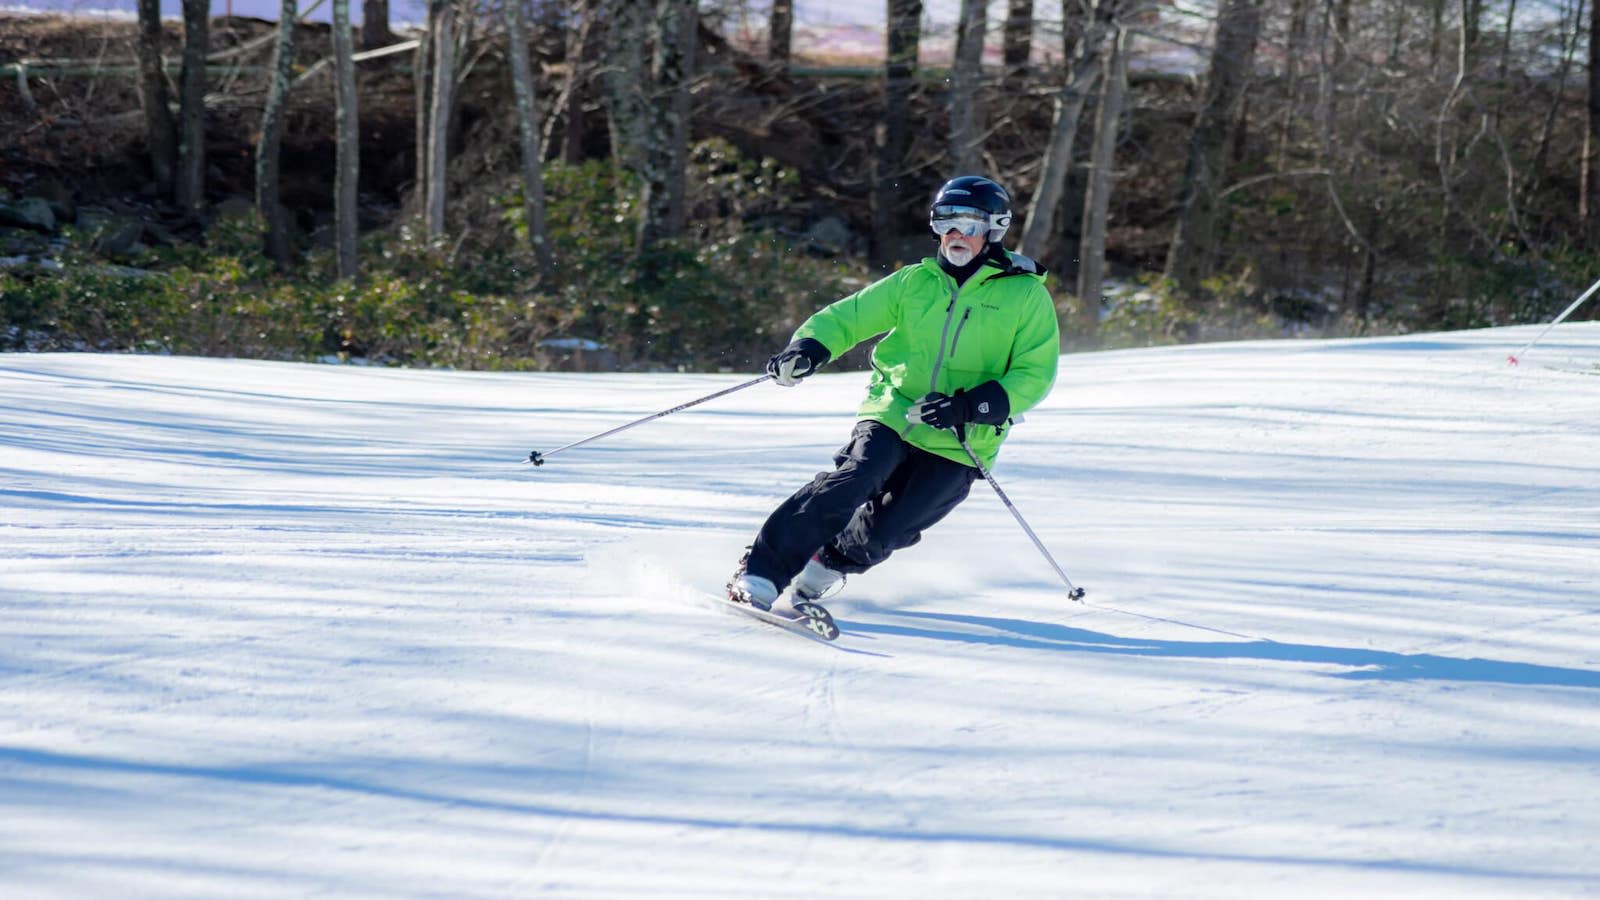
(754, 590)
(814, 580)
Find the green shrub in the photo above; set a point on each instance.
(722, 297)
(1149, 316)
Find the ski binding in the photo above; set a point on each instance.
(809, 619)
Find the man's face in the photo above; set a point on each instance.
(959, 248)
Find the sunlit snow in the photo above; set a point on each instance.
(285, 630)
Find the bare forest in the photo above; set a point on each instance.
(648, 184)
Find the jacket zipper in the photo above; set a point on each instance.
(938, 361)
(949, 315)
(956, 339)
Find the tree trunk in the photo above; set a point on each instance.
(442, 95)
(1299, 10)
(1018, 46)
(1369, 266)
(1436, 33)
(900, 71)
(159, 131)
(626, 105)
(1341, 34)
(1060, 247)
(528, 128)
(1102, 176)
(681, 76)
(780, 28)
(1591, 158)
(375, 24)
(1569, 48)
(581, 54)
(666, 152)
(267, 156)
(1081, 76)
(347, 142)
(1505, 43)
(422, 89)
(191, 183)
(1336, 75)
(1472, 25)
(1190, 258)
(966, 106)
(1075, 18)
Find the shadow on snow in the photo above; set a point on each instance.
(269, 776)
(1375, 665)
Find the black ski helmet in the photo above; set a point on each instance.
(973, 193)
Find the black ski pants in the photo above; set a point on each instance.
(879, 498)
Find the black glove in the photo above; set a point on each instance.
(986, 404)
(940, 410)
(798, 360)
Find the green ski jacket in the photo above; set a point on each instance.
(1000, 325)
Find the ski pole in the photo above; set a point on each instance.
(1073, 592)
(537, 458)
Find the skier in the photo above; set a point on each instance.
(970, 341)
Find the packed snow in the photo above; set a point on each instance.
(288, 630)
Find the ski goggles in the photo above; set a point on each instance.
(964, 220)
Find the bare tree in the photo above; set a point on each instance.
(666, 150)
(159, 131)
(1337, 26)
(267, 144)
(1074, 93)
(1436, 33)
(375, 24)
(347, 142)
(1471, 26)
(1569, 46)
(1190, 257)
(191, 180)
(442, 99)
(1102, 176)
(627, 107)
(1299, 13)
(422, 89)
(780, 26)
(900, 70)
(1075, 17)
(533, 209)
(966, 127)
(1590, 201)
(583, 44)
(1018, 46)
(1505, 51)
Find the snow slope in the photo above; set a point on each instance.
(287, 630)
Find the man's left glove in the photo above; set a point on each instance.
(796, 361)
(986, 404)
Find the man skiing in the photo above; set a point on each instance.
(970, 341)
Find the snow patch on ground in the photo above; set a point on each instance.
(276, 629)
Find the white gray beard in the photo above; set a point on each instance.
(958, 254)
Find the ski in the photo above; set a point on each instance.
(810, 619)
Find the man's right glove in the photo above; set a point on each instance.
(796, 361)
(986, 404)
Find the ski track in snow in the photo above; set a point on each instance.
(277, 630)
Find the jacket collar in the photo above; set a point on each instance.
(997, 263)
